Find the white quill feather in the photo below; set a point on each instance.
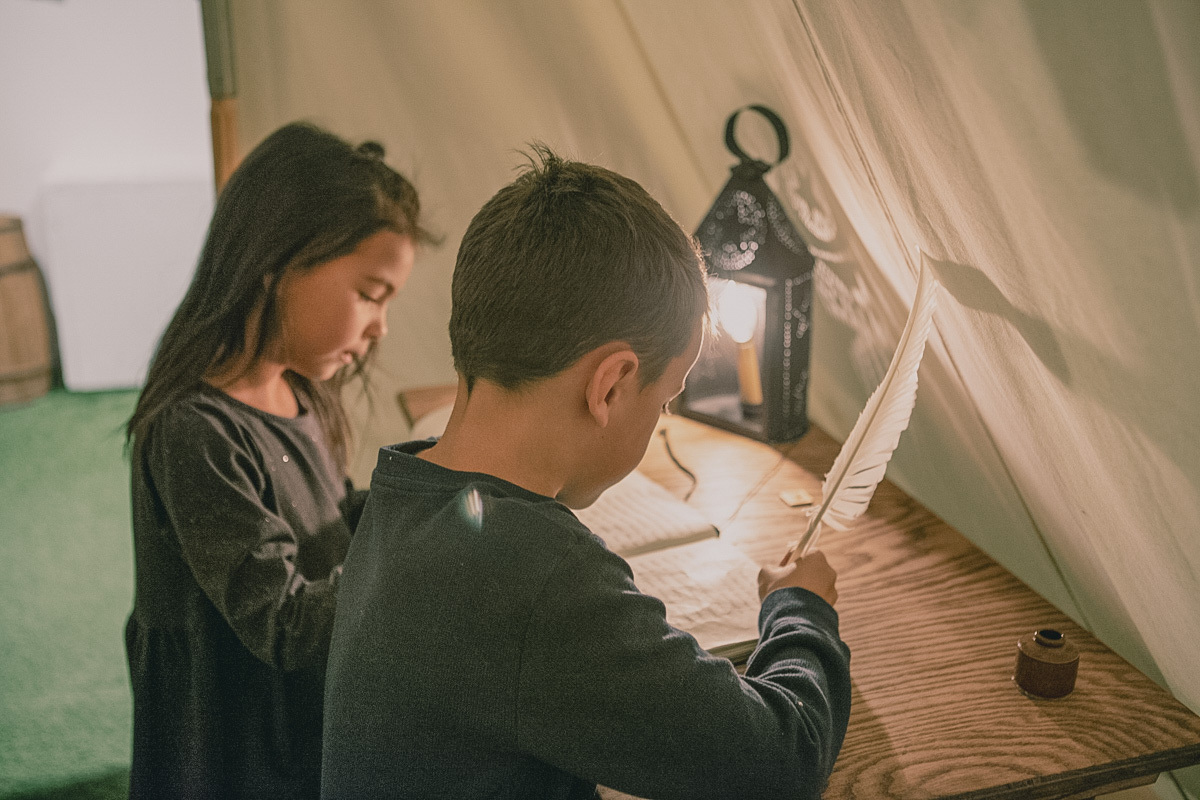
(860, 465)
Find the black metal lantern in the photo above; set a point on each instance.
(752, 376)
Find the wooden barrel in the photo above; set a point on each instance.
(26, 337)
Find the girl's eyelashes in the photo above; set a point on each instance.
(377, 291)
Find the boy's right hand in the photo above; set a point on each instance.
(810, 572)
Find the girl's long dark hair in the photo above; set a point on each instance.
(301, 198)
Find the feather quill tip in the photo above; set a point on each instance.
(863, 459)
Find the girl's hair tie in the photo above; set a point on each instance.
(371, 149)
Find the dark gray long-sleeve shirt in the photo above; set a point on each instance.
(240, 523)
(486, 644)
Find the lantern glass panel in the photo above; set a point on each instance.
(726, 382)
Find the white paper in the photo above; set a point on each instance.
(637, 515)
(710, 589)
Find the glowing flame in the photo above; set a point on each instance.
(737, 311)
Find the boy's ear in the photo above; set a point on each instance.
(611, 376)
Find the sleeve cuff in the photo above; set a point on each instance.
(791, 603)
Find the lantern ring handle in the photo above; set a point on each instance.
(776, 123)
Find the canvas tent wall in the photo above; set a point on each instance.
(1045, 154)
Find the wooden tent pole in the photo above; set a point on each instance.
(222, 87)
(223, 116)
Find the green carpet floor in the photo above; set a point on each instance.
(66, 586)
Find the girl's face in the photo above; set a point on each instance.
(333, 312)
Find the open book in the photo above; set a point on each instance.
(708, 586)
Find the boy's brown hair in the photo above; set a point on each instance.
(568, 257)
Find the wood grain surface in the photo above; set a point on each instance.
(932, 623)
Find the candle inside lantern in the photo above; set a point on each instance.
(737, 312)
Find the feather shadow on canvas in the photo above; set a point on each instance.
(863, 459)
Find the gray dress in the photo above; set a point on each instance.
(240, 525)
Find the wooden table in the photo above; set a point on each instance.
(932, 623)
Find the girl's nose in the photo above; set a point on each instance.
(378, 327)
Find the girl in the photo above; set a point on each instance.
(242, 513)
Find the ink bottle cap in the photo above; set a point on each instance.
(1047, 664)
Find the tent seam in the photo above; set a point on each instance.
(662, 91)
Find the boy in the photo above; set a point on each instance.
(486, 643)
